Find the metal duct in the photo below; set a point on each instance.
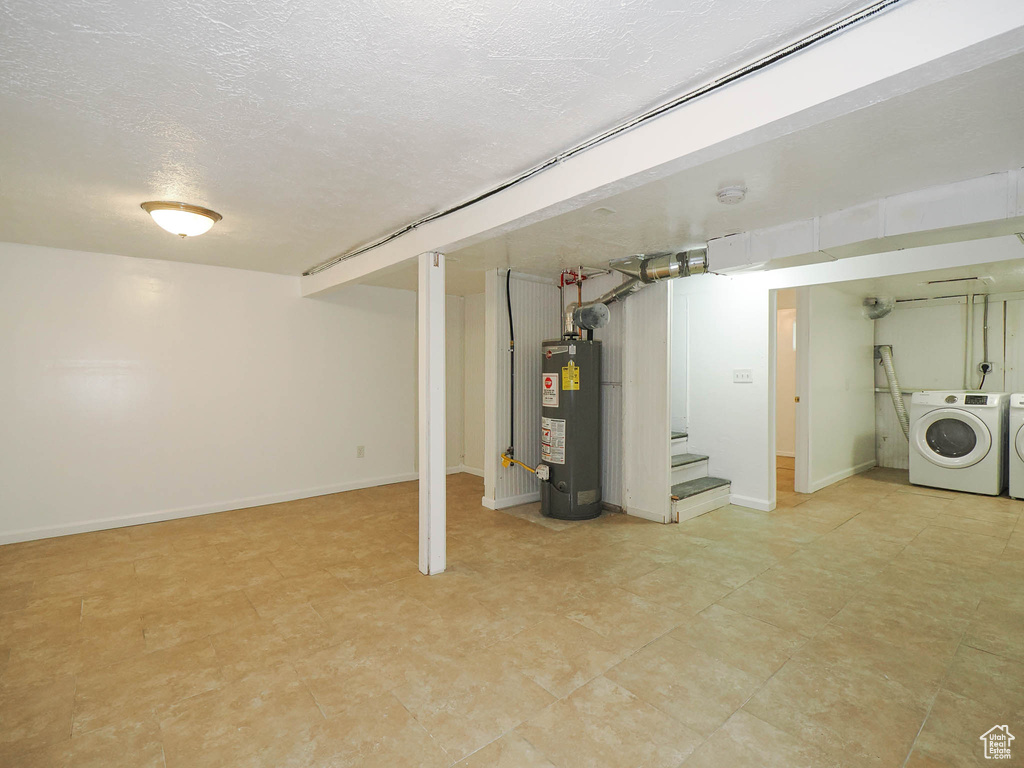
(884, 353)
(877, 307)
(642, 269)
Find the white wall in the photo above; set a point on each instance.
(136, 390)
(455, 345)
(535, 313)
(473, 385)
(785, 383)
(678, 371)
(837, 386)
(728, 325)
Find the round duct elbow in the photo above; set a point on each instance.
(592, 316)
(876, 307)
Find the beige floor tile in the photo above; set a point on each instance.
(198, 619)
(374, 571)
(952, 732)
(466, 706)
(990, 680)
(262, 720)
(919, 674)
(625, 618)
(604, 724)
(901, 626)
(852, 713)
(1000, 529)
(739, 640)
(747, 742)
(793, 596)
(997, 628)
(132, 745)
(685, 682)
(266, 643)
(510, 751)
(34, 716)
(359, 669)
(560, 655)
(957, 547)
(677, 589)
(379, 733)
(143, 686)
(869, 584)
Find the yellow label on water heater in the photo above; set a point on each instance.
(570, 376)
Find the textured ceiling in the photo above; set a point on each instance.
(314, 126)
(964, 127)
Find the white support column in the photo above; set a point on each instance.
(432, 443)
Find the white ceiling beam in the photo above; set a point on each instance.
(915, 44)
(973, 209)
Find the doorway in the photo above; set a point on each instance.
(785, 392)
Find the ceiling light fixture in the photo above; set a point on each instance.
(181, 218)
(731, 195)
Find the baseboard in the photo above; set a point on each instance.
(654, 517)
(471, 470)
(787, 454)
(511, 501)
(762, 505)
(841, 475)
(100, 524)
(687, 509)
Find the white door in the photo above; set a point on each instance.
(835, 418)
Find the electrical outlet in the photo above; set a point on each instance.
(984, 367)
(360, 451)
(742, 376)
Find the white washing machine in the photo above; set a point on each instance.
(1016, 446)
(958, 441)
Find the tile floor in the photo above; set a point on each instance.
(872, 623)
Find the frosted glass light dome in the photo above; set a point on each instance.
(181, 218)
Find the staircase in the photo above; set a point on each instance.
(693, 492)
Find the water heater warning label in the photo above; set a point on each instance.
(552, 440)
(550, 390)
(570, 377)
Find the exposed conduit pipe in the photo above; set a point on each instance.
(885, 352)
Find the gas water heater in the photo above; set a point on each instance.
(570, 466)
(570, 426)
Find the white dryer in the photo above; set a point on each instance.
(958, 441)
(1016, 446)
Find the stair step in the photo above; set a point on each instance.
(682, 459)
(679, 435)
(699, 485)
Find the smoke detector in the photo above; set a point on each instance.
(731, 195)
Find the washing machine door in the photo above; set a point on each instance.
(1019, 443)
(951, 438)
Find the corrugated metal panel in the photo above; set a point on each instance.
(645, 413)
(611, 391)
(891, 447)
(535, 313)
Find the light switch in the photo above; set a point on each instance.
(742, 376)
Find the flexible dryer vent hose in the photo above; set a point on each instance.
(894, 389)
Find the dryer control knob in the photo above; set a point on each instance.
(950, 399)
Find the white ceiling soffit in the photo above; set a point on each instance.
(316, 126)
(961, 128)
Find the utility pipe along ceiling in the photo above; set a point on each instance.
(315, 127)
